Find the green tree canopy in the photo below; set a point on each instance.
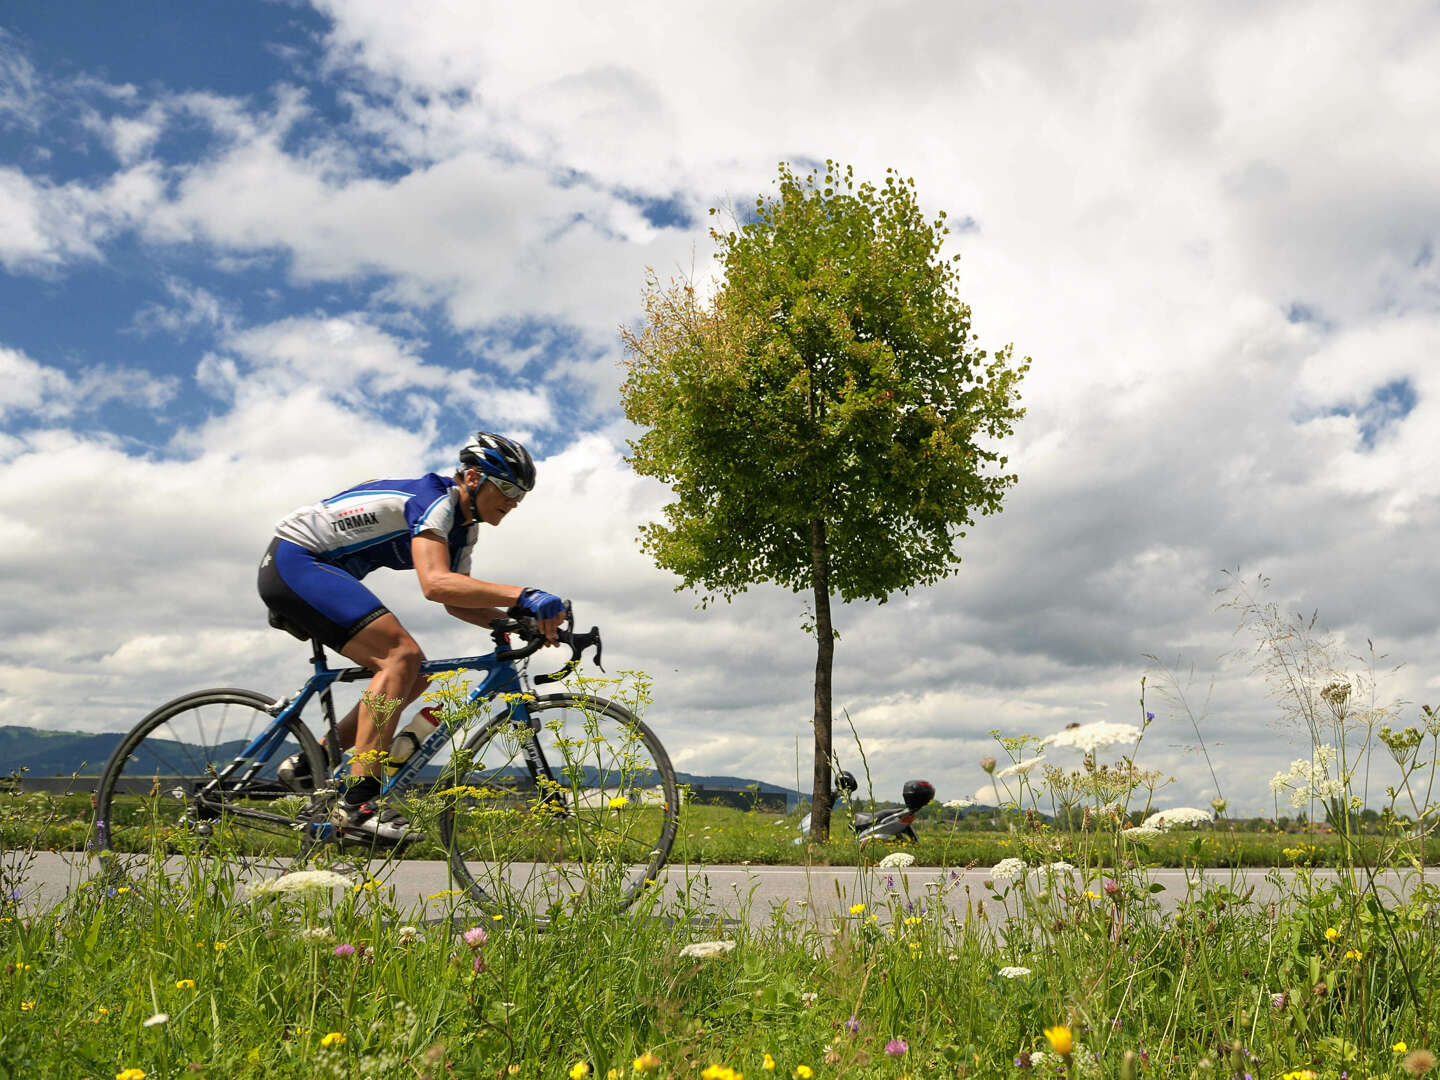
(823, 418)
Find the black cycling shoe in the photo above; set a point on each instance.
(369, 821)
(294, 772)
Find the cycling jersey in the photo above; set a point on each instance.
(371, 525)
(309, 577)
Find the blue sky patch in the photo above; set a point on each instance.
(1386, 406)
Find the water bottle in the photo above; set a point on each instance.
(406, 742)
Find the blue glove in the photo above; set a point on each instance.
(541, 604)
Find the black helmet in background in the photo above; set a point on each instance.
(917, 793)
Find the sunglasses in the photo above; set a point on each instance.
(509, 490)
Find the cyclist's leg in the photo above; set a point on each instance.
(386, 648)
(346, 725)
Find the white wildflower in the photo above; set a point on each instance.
(407, 935)
(1061, 867)
(1165, 820)
(317, 935)
(961, 804)
(1014, 972)
(808, 998)
(1313, 779)
(1007, 869)
(704, 949)
(1020, 768)
(1094, 736)
(157, 1019)
(896, 860)
(299, 881)
(1140, 832)
(1038, 1058)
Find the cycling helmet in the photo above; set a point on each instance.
(495, 455)
(917, 793)
(845, 781)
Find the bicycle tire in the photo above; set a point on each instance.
(509, 848)
(179, 748)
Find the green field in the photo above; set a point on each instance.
(711, 834)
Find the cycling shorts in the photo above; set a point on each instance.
(315, 596)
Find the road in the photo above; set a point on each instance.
(725, 894)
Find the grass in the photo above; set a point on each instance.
(263, 988)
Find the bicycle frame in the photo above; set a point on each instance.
(502, 677)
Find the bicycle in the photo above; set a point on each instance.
(578, 789)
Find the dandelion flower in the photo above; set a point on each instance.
(896, 860)
(1418, 1062)
(579, 1071)
(1060, 1039)
(184, 984)
(1094, 736)
(333, 1038)
(130, 1074)
(619, 802)
(1400, 1047)
(1165, 820)
(1020, 768)
(646, 1062)
(156, 1020)
(706, 949)
(896, 1047)
(1014, 972)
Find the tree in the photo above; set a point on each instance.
(823, 417)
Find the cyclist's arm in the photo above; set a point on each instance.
(479, 600)
(444, 586)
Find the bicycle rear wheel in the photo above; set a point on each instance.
(602, 823)
(181, 777)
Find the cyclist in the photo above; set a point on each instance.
(310, 581)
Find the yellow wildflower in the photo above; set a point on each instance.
(857, 909)
(768, 1064)
(184, 984)
(130, 1074)
(1353, 954)
(333, 1038)
(615, 1074)
(1299, 1074)
(1400, 1047)
(804, 1072)
(646, 1062)
(221, 946)
(1331, 933)
(1060, 1039)
(619, 802)
(579, 1071)
(26, 1006)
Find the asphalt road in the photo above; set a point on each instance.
(723, 894)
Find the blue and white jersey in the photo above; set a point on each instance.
(370, 525)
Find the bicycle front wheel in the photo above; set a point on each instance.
(182, 778)
(587, 804)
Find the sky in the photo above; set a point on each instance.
(252, 254)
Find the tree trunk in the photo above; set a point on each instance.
(824, 663)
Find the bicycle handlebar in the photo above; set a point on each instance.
(521, 622)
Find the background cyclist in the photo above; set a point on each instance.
(310, 581)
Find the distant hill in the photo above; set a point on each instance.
(69, 753)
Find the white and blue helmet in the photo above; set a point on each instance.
(495, 455)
